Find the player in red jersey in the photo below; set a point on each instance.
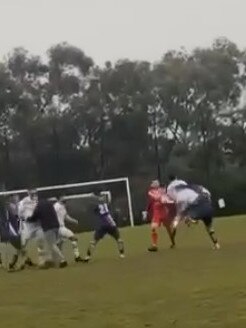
(161, 211)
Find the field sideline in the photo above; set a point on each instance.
(190, 287)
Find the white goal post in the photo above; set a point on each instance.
(84, 184)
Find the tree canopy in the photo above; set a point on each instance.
(65, 119)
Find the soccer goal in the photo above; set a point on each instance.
(81, 200)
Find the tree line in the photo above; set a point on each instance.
(63, 119)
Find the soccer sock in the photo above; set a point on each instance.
(212, 236)
(41, 255)
(171, 235)
(121, 247)
(154, 237)
(211, 233)
(14, 261)
(75, 248)
(60, 245)
(91, 248)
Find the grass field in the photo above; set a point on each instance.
(190, 287)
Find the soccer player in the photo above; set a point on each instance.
(174, 183)
(107, 226)
(14, 232)
(194, 205)
(161, 210)
(65, 233)
(10, 231)
(30, 229)
(46, 215)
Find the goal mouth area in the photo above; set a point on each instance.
(117, 190)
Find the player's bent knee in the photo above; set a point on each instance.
(154, 226)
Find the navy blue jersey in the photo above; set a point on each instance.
(46, 215)
(104, 215)
(9, 227)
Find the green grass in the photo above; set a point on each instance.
(190, 287)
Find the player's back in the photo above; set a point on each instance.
(186, 195)
(46, 215)
(104, 214)
(173, 185)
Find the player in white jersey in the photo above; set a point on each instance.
(64, 232)
(31, 230)
(173, 183)
(194, 203)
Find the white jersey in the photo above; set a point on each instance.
(171, 187)
(26, 207)
(61, 213)
(184, 198)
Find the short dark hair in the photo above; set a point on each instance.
(171, 177)
(59, 196)
(32, 190)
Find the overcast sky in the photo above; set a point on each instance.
(113, 29)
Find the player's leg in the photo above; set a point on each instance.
(115, 233)
(16, 243)
(170, 214)
(204, 211)
(39, 237)
(65, 233)
(154, 235)
(170, 234)
(54, 255)
(98, 235)
(25, 237)
(208, 222)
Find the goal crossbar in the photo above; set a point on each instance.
(83, 184)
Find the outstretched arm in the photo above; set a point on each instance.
(69, 219)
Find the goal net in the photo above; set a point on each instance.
(81, 200)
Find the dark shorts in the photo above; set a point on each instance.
(202, 210)
(107, 230)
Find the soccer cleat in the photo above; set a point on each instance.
(217, 246)
(78, 259)
(153, 249)
(22, 267)
(172, 246)
(86, 259)
(122, 256)
(63, 264)
(11, 267)
(29, 262)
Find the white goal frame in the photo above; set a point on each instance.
(84, 184)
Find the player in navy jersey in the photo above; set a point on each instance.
(107, 226)
(10, 231)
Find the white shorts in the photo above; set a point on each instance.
(30, 231)
(65, 233)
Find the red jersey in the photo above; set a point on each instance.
(154, 200)
(158, 205)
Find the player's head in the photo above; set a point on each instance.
(33, 193)
(172, 177)
(102, 198)
(14, 199)
(155, 184)
(61, 199)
